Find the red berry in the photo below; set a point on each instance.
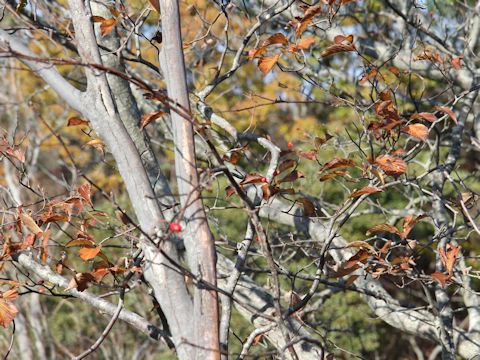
(275, 173)
(175, 227)
(290, 144)
(41, 291)
(10, 227)
(264, 179)
(431, 13)
(257, 239)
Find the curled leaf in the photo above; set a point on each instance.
(277, 38)
(382, 228)
(391, 165)
(424, 115)
(336, 48)
(419, 131)
(266, 63)
(294, 175)
(151, 117)
(75, 120)
(441, 278)
(336, 163)
(365, 190)
(88, 253)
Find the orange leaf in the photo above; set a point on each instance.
(447, 111)
(456, 62)
(96, 18)
(336, 163)
(88, 253)
(449, 256)
(340, 38)
(277, 38)
(424, 115)
(305, 43)
(391, 165)
(253, 53)
(257, 339)
(333, 174)
(416, 130)
(266, 63)
(365, 190)
(149, 118)
(8, 311)
(29, 223)
(408, 224)
(307, 18)
(17, 154)
(294, 175)
(441, 278)
(84, 192)
(107, 26)
(74, 121)
(362, 254)
(362, 244)
(93, 143)
(336, 48)
(230, 190)
(368, 76)
(381, 228)
(81, 242)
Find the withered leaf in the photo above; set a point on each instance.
(8, 311)
(449, 256)
(336, 163)
(382, 228)
(308, 206)
(155, 5)
(294, 175)
(107, 26)
(305, 43)
(333, 174)
(368, 76)
(29, 223)
(285, 165)
(447, 111)
(84, 192)
(230, 190)
(365, 190)
(361, 255)
(277, 38)
(75, 120)
(441, 278)
(408, 224)
(252, 179)
(362, 244)
(419, 131)
(266, 63)
(151, 117)
(310, 155)
(81, 281)
(88, 253)
(424, 115)
(16, 153)
(95, 142)
(336, 48)
(391, 165)
(456, 62)
(340, 38)
(320, 141)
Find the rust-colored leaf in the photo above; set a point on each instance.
(10, 294)
(320, 141)
(333, 174)
(16, 153)
(362, 244)
(107, 26)
(277, 38)
(408, 224)
(252, 179)
(305, 43)
(257, 339)
(230, 190)
(310, 155)
(99, 273)
(362, 254)
(88, 253)
(8, 311)
(307, 18)
(456, 62)
(308, 206)
(253, 53)
(80, 242)
(368, 76)
(424, 115)
(155, 5)
(294, 175)
(97, 18)
(419, 131)
(95, 142)
(340, 38)
(365, 190)
(382, 228)
(151, 117)
(447, 111)
(84, 192)
(441, 278)
(336, 163)
(391, 165)
(336, 48)
(351, 279)
(75, 120)
(81, 281)
(266, 63)
(449, 256)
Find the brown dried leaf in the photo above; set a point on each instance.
(307, 18)
(308, 206)
(359, 243)
(449, 256)
(340, 38)
(391, 165)
(107, 26)
(310, 155)
(336, 48)
(381, 228)
(151, 117)
(94, 142)
(8, 311)
(285, 165)
(365, 190)
(266, 63)
(368, 76)
(80, 242)
(81, 281)
(320, 141)
(424, 115)
(441, 278)
(84, 192)
(333, 174)
(419, 131)
(361, 255)
(447, 111)
(253, 53)
(294, 175)
(252, 179)
(336, 163)
(88, 253)
(408, 224)
(305, 43)
(277, 38)
(97, 18)
(155, 5)
(230, 190)
(30, 224)
(75, 120)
